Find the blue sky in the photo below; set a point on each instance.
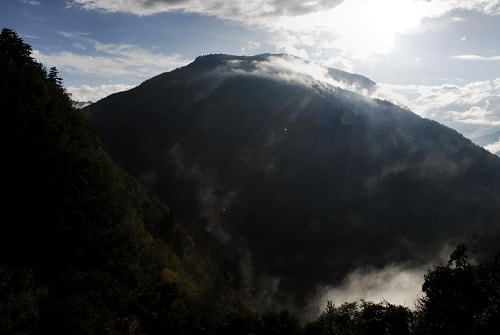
(441, 58)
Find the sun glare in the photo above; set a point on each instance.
(364, 28)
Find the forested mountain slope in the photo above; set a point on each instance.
(303, 178)
(84, 248)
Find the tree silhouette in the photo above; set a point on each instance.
(13, 48)
(53, 76)
(457, 295)
(362, 318)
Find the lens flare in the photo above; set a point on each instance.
(347, 118)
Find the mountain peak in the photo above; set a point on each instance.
(280, 66)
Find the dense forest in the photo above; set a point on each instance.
(85, 249)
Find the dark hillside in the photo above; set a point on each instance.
(307, 180)
(84, 248)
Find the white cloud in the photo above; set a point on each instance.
(241, 10)
(250, 48)
(491, 7)
(259, 10)
(473, 108)
(29, 2)
(126, 63)
(70, 34)
(496, 83)
(361, 29)
(28, 36)
(494, 148)
(116, 60)
(340, 63)
(476, 57)
(93, 93)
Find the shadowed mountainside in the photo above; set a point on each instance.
(305, 180)
(84, 248)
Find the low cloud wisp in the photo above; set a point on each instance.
(86, 93)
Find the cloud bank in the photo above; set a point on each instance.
(257, 11)
(29, 2)
(245, 11)
(494, 148)
(86, 93)
(477, 58)
(126, 63)
(473, 109)
(112, 60)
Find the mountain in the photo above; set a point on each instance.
(294, 168)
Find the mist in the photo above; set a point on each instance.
(395, 284)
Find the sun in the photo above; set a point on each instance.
(365, 28)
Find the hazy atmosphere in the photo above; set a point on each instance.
(251, 167)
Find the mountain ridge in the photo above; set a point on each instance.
(301, 176)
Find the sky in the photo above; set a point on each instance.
(440, 58)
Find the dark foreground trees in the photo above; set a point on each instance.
(362, 318)
(84, 249)
(461, 298)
